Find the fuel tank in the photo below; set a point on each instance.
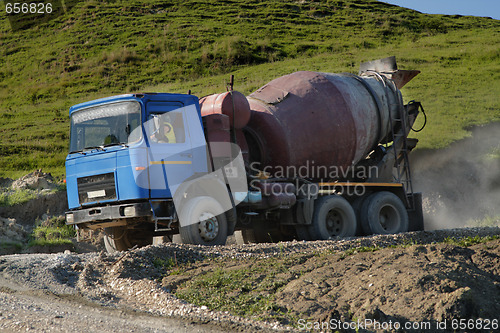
(232, 103)
(316, 120)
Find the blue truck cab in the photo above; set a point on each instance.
(121, 150)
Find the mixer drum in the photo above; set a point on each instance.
(308, 122)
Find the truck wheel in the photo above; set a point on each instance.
(384, 213)
(118, 239)
(211, 229)
(333, 217)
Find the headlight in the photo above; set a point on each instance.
(70, 218)
(129, 211)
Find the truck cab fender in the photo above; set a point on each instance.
(206, 185)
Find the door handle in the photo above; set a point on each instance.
(186, 155)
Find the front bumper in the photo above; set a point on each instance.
(108, 213)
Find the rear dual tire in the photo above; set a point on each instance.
(333, 217)
(380, 213)
(383, 213)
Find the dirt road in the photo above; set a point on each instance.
(39, 311)
(430, 277)
(76, 293)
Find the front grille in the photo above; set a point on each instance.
(96, 188)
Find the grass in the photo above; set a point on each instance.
(52, 232)
(11, 197)
(469, 241)
(360, 249)
(494, 155)
(245, 291)
(164, 263)
(16, 197)
(10, 244)
(103, 48)
(49, 242)
(487, 221)
(169, 265)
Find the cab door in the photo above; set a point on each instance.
(170, 152)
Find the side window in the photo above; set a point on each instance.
(167, 127)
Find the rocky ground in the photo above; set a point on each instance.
(422, 277)
(36, 198)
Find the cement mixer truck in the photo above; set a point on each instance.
(308, 156)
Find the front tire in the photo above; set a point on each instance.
(210, 228)
(118, 239)
(333, 217)
(384, 213)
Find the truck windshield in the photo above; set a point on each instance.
(105, 125)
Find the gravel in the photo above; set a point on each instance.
(189, 253)
(12, 232)
(129, 284)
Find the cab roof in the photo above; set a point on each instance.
(184, 98)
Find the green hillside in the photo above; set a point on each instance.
(102, 48)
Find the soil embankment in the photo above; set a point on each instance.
(404, 278)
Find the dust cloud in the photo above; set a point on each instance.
(461, 184)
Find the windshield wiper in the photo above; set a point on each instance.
(116, 144)
(98, 148)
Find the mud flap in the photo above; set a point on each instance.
(416, 215)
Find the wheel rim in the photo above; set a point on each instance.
(208, 226)
(334, 223)
(389, 219)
